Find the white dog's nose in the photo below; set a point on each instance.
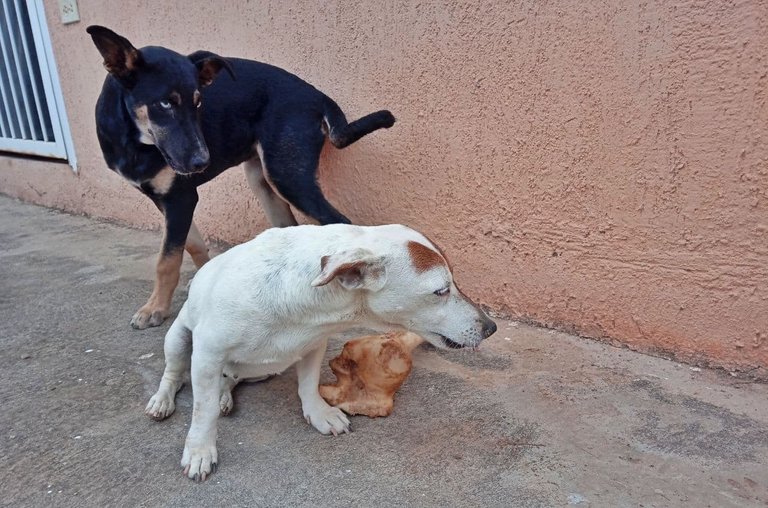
(489, 327)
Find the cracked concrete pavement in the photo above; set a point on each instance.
(534, 418)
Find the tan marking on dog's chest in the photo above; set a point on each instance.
(423, 258)
(162, 182)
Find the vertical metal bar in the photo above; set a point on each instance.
(7, 110)
(6, 102)
(31, 67)
(19, 71)
(11, 84)
(3, 129)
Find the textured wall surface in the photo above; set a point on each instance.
(596, 166)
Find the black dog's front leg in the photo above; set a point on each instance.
(178, 208)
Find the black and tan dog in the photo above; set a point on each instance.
(167, 124)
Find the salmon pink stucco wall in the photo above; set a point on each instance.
(595, 166)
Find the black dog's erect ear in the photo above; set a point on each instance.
(209, 65)
(121, 59)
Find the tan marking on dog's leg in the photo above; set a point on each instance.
(158, 307)
(277, 210)
(196, 246)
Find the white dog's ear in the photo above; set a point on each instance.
(354, 269)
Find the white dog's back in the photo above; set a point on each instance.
(266, 282)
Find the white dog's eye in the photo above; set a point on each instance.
(165, 104)
(443, 292)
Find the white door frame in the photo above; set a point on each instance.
(24, 136)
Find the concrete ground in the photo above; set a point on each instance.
(535, 418)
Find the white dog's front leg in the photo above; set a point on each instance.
(200, 456)
(325, 418)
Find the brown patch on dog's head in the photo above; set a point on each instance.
(424, 258)
(441, 251)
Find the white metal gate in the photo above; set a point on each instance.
(32, 116)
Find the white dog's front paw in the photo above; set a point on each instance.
(327, 419)
(199, 462)
(160, 406)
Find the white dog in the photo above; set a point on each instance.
(264, 305)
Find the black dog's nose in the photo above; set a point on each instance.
(489, 327)
(199, 162)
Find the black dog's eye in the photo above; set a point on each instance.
(165, 104)
(443, 292)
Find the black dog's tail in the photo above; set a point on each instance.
(344, 134)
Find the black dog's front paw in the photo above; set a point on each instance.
(148, 316)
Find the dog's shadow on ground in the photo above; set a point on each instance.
(439, 426)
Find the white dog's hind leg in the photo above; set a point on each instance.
(178, 348)
(234, 375)
(200, 456)
(226, 402)
(325, 418)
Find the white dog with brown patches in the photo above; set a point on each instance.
(273, 302)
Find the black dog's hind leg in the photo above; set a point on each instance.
(291, 161)
(278, 212)
(196, 247)
(178, 208)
